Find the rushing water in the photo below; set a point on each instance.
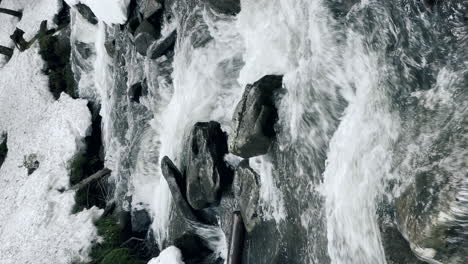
(370, 87)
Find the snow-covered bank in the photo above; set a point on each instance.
(36, 224)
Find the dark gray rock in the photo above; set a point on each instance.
(163, 46)
(254, 118)
(137, 90)
(110, 47)
(141, 221)
(194, 248)
(3, 148)
(247, 192)
(84, 49)
(228, 7)
(145, 34)
(87, 13)
(205, 169)
(176, 184)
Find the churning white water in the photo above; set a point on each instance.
(337, 125)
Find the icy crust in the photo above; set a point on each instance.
(108, 11)
(170, 255)
(36, 225)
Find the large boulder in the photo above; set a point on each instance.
(145, 35)
(228, 7)
(87, 13)
(205, 169)
(254, 118)
(176, 184)
(163, 46)
(247, 192)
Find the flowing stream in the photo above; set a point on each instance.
(369, 87)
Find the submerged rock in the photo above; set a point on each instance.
(145, 34)
(431, 213)
(163, 46)
(247, 191)
(205, 170)
(87, 13)
(254, 118)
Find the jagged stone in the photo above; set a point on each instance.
(137, 90)
(176, 184)
(87, 13)
(247, 191)
(204, 167)
(163, 46)
(145, 34)
(254, 118)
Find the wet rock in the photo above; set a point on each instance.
(31, 163)
(430, 215)
(163, 46)
(228, 7)
(254, 118)
(194, 249)
(141, 222)
(3, 148)
(137, 90)
(205, 170)
(87, 13)
(247, 191)
(176, 184)
(110, 47)
(84, 49)
(145, 34)
(397, 249)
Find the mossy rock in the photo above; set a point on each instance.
(55, 50)
(111, 232)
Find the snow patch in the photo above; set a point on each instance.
(170, 255)
(36, 224)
